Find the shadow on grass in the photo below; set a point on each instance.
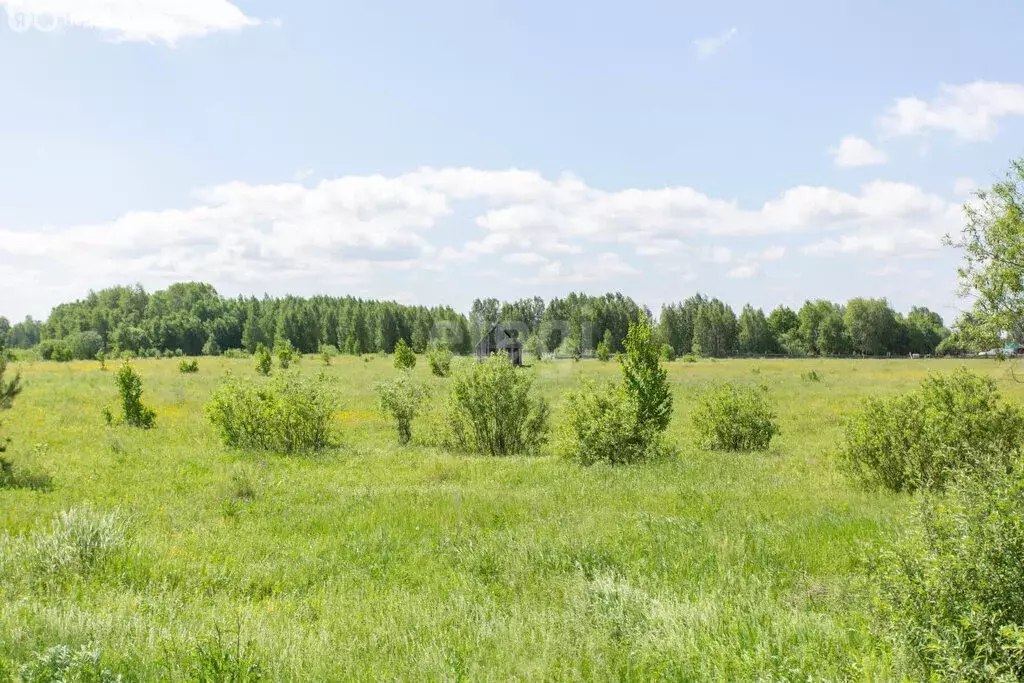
(16, 477)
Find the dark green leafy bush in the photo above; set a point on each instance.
(951, 586)
(287, 415)
(405, 357)
(401, 398)
(952, 423)
(264, 363)
(735, 417)
(601, 425)
(211, 347)
(188, 366)
(668, 354)
(493, 409)
(85, 345)
(285, 352)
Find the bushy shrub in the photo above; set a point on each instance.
(78, 540)
(285, 352)
(603, 353)
(287, 415)
(64, 664)
(644, 380)
(689, 358)
(601, 425)
(493, 409)
(952, 423)
(220, 658)
(950, 587)
(133, 412)
(811, 376)
(401, 398)
(405, 357)
(236, 354)
(211, 347)
(668, 354)
(56, 350)
(735, 417)
(263, 361)
(85, 345)
(439, 356)
(9, 390)
(188, 367)
(326, 352)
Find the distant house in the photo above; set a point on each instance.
(1013, 349)
(498, 341)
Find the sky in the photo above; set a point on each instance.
(433, 153)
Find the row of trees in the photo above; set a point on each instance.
(871, 327)
(194, 319)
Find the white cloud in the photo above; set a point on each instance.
(144, 21)
(970, 111)
(743, 272)
(854, 151)
(963, 187)
(709, 47)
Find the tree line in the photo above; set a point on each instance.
(194, 319)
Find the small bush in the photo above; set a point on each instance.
(325, 354)
(689, 358)
(603, 353)
(285, 353)
(216, 658)
(77, 541)
(85, 345)
(9, 390)
(401, 398)
(950, 586)
(952, 423)
(601, 425)
(62, 664)
(211, 347)
(439, 356)
(264, 363)
(405, 357)
(236, 354)
(668, 354)
(492, 409)
(735, 417)
(811, 376)
(188, 367)
(285, 415)
(645, 381)
(56, 350)
(133, 412)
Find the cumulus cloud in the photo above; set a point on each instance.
(743, 272)
(854, 151)
(963, 187)
(709, 47)
(357, 229)
(146, 21)
(970, 112)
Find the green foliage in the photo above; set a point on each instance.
(439, 356)
(264, 363)
(85, 345)
(224, 660)
(401, 398)
(13, 476)
(129, 388)
(644, 380)
(714, 330)
(754, 335)
(811, 376)
(601, 425)
(326, 352)
(949, 587)
(668, 354)
(604, 347)
(56, 350)
(288, 414)
(954, 422)
(405, 357)
(735, 417)
(493, 410)
(188, 366)
(62, 664)
(211, 347)
(9, 390)
(285, 352)
(78, 541)
(689, 358)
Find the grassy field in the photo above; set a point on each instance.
(375, 561)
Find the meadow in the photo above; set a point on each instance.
(379, 561)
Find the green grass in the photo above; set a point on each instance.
(378, 561)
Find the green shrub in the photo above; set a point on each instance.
(285, 352)
(133, 412)
(62, 664)
(811, 376)
(77, 541)
(439, 356)
(188, 367)
(286, 415)
(668, 354)
(950, 586)
(603, 353)
(56, 350)
(236, 354)
(263, 361)
(85, 345)
(325, 354)
(9, 390)
(952, 423)
(405, 357)
(13, 476)
(601, 425)
(211, 347)
(401, 398)
(493, 409)
(735, 417)
(217, 658)
(689, 358)
(645, 381)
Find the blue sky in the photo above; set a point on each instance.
(436, 152)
